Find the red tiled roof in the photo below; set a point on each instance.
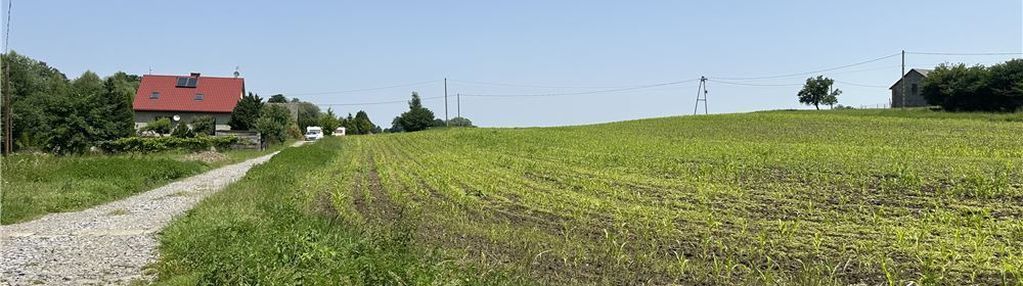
(220, 94)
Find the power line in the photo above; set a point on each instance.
(361, 89)
(530, 85)
(376, 102)
(814, 71)
(583, 92)
(754, 84)
(861, 85)
(966, 54)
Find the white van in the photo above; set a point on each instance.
(313, 133)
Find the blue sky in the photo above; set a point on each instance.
(521, 47)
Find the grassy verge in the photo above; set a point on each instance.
(767, 198)
(265, 230)
(37, 184)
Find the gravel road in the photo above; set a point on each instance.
(107, 244)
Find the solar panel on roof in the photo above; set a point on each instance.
(182, 82)
(192, 81)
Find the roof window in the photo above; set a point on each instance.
(199, 96)
(187, 81)
(154, 95)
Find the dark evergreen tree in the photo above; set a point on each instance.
(418, 117)
(244, 115)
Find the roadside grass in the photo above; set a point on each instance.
(764, 198)
(38, 184)
(261, 230)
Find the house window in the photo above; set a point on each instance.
(913, 89)
(154, 95)
(199, 96)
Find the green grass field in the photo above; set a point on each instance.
(781, 197)
(37, 184)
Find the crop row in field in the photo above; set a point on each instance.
(761, 198)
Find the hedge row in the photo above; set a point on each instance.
(157, 144)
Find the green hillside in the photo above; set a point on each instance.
(781, 197)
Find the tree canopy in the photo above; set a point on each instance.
(417, 117)
(460, 122)
(817, 91)
(359, 124)
(52, 113)
(329, 122)
(277, 98)
(976, 88)
(246, 112)
(273, 123)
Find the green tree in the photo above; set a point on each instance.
(363, 124)
(52, 113)
(204, 124)
(308, 114)
(125, 84)
(958, 87)
(349, 124)
(277, 98)
(460, 122)
(245, 114)
(817, 91)
(396, 125)
(34, 88)
(976, 88)
(1006, 83)
(273, 123)
(417, 118)
(71, 133)
(112, 115)
(329, 122)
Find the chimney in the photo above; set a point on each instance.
(195, 75)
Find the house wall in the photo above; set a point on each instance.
(915, 97)
(143, 117)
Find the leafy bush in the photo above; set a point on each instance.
(159, 126)
(182, 131)
(158, 144)
(204, 124)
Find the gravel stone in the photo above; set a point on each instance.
(107, 244)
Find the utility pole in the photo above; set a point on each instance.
(5, 106)
(445, 101)
(902, 82)
(458, 99)
(701, 95)
(5, 93)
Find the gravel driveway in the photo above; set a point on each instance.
(107, 244)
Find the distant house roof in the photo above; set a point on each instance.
(922, 72)
(192, 93)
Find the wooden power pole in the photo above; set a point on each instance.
(902, 80)
(445, 101)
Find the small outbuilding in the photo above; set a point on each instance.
(340, 131)
(913, 81)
